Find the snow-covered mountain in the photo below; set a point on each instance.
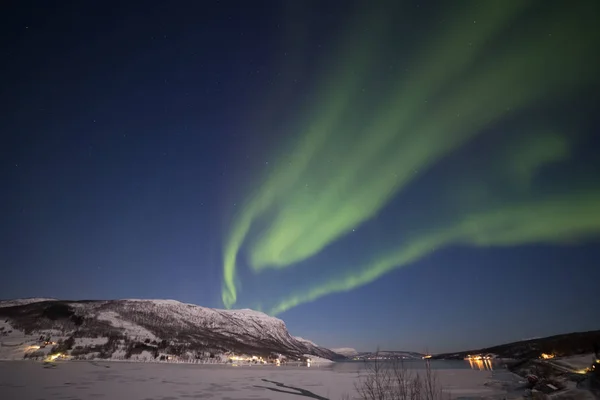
(345, 351)
(300, 339)
(165, 328)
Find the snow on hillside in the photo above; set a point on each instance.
(345, 351)
(20, 302)
(90, 341)
(210, 316)
(305, 341)
(132, 329)
(15, 344)
(576, 362)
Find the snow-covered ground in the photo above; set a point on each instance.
(29, 380)
(90, 341)
(576, 362)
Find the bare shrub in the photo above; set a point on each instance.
(392, 380)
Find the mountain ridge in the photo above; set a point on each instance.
(566, 344)
(111, 329)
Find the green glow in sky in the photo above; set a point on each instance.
(537, 222)
(354, 155)
(337, 94)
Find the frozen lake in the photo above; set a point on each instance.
(73, 380)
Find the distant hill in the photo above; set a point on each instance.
(345, 351)
(22, 302)
(389, 355)
(560, 345)
(127, 329)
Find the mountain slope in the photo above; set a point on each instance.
(20, 302)
(155, 327)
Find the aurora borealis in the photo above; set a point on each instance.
(374, 173)
(479, 72)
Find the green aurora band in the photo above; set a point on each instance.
(541, 221)
(456, 90)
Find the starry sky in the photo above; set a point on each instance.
(404, 175)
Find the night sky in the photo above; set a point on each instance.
(407, 175)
